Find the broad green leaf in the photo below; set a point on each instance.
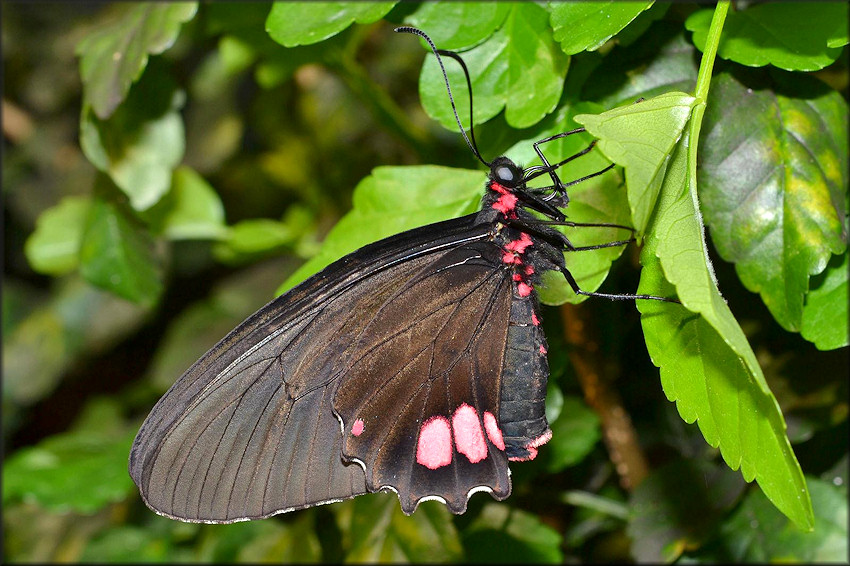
(80, 471)
(458, 25)
(503, 534)
(795, 36)
(574, 434)
(640, 137)
(585, 26)
(117, 255)
(247, 239)
(54, 247)
(114, 56)
(677, 507)
(825, 312)
(379, 532)
(707, 366)
(773, 184)
(642, 23)
(142, 142)
(394, 199)
(757, 533)
(191, 210)
(661, 61)
(595, 200)
(519, 68)
(302, 23)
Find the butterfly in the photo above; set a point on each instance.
(416, 364)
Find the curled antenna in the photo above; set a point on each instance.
(437, 52)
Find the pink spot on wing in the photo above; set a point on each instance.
(434, 448)
(493, 431)
(524, 289)
(357, 427)
(519, 245)
(533, 446)
(469, 437)
(534, 320)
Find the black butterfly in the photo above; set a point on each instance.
(415, 364)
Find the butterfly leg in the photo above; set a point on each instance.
(613, 296)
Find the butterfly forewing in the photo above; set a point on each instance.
(249, 431)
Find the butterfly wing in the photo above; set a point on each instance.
(415, 399)
(249, 431)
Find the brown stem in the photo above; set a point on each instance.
(617, 430)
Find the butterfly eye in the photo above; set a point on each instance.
(506, 172)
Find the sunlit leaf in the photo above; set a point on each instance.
(458, 25)
(302, 23)
(54, 247)
(581, 26)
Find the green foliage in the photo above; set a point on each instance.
(221, 141)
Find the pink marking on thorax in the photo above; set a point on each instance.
(524, 289)
(357, 427)
(510, 259)
(520, 245)
(534, 320)
(499, 188)
(529, 269)
(542, 350)
(505, 204)
(469, 437)
(434, 448)
(494, 433)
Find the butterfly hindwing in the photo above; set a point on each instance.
(420, 401)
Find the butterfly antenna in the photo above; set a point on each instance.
(437, 52)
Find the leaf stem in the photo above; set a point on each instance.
(712, 42)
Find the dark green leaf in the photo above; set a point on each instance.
(758, 533)
(75, 471)
(114, 56)
(707, 365)
(142, 142)
(380, 532)
(54, 247)
(825, 312)
(519, 68)
(117, 255)
(458, 25)
(790, 35)
(574, 434)
(659, 62)
(677, 507)
(302, 23)
(394, 199)
(585, 26)
(501, 534)
(773, 183)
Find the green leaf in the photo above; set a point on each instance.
(458, 25)
(114, 56)
(142, 142)
(661, 61)
(117, 255)
(302, 23)
(501, 534)
(394, 199)
(585, 26)
(790, 35)
(574, 434)
(80, 471)
(519, 68)
(677, 507)
(247, 239)
(757, 533)
(707, 366)
(640, 137)
(379, 532)
(191, 210)
(773, 184)
(54, 247)
(825, 312)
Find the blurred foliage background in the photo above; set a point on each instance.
(240, 154)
